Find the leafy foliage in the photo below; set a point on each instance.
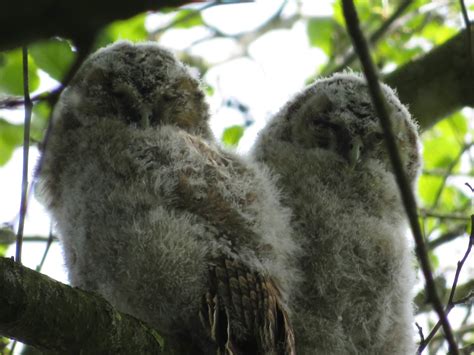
(54, 57)
(232, 135)
(11, 136)
(11, 73)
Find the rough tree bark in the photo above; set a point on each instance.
(47, 314)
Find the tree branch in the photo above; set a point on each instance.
(47, 314)
(451, 303)
(25, 21)
(436, 84)
(360, 44)
(462, 292)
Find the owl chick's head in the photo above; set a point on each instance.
(336, 114)
(141, 84)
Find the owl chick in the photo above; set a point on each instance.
(327, 150)
(156, 217)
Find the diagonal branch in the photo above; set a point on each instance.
(451, 303)
(50, 315)
(408, 199)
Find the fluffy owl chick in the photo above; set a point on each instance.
(327, 149)
(158, 219)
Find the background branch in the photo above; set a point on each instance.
(451, 303)
(436, 84)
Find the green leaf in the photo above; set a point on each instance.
(441, 145)
(434, 260)
(389, 51)
(209, 90)
(458, 124)
(4, 342)
(11, 136)
(11, 73)
(438, 33)
(188, 18)
(320, 32)
(232, 135)
(54, 56)
(39, 122)
(428, 187)
(7, 235)
(132, 29)
(452, 198)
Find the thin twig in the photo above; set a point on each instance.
(432, 214)
(448, 172)
(48, 246)
(420, 332)
(408, 198)
(447, 237)
(26, 150)
(451, 302)
(465, 300)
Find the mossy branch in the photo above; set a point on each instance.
(49, 315)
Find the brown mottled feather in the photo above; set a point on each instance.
(237, 293)
(238, 297)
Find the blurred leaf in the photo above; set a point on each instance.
(11, 136)
(54, 56)
(11, 73)
(371, 14)
(7, 235)
(440, 144)
(438, 32)
(41, 114)
(428, 187)
(132, 29)
(188, 18)
(209, 90)
(452, 198)
(4, 341)
(320, 32)
(458, 124)
(389, 50)
(232, 135)
(434, 261)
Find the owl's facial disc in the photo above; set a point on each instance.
(321, 133)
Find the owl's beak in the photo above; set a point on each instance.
(353, 155)
(145, 114)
